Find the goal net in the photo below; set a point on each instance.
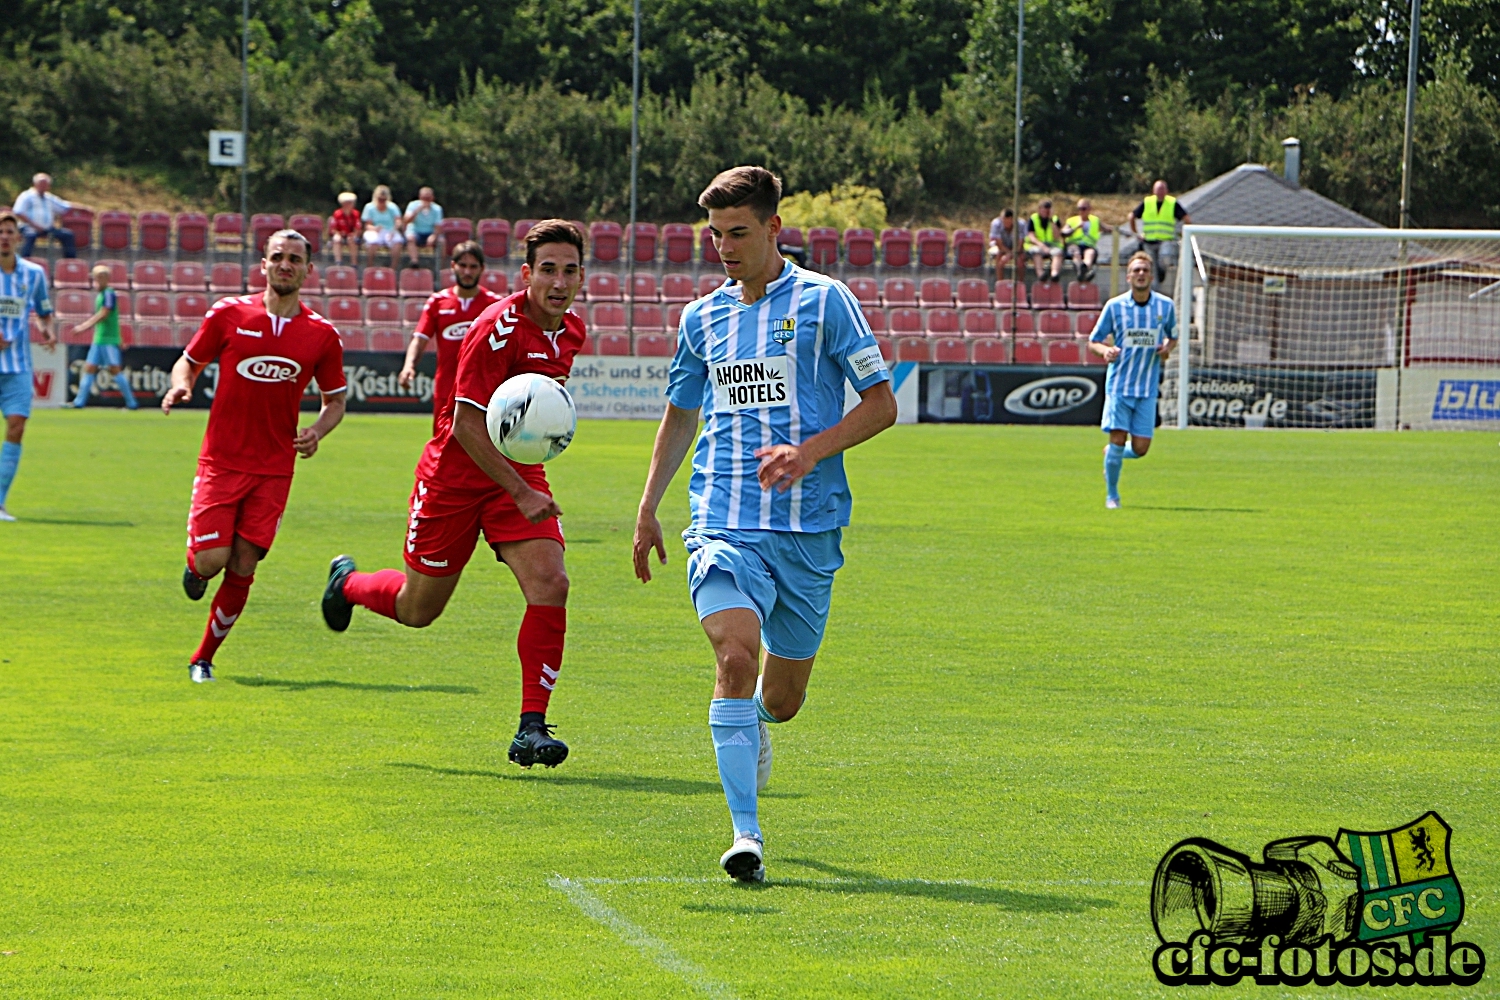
(1335, 328)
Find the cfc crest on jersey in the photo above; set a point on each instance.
(784, 330)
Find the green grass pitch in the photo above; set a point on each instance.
(1023, 700)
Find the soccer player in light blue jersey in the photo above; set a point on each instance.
(1135, 334)
(23, 290)
(764, 358)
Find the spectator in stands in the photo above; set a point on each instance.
(1003, 240)
(382, 221)
(1154, 221)
(40, 212)
(1044, 240)
(421, 220)
(1082, 232)
(344, 228)
(105, 350)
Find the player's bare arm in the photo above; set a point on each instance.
(1107, 351)
(306, 442)
(409, 367)
(184, 374)
(1166, 347)
(673, 439)
(470, 431)
(781, 465)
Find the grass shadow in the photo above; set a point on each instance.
(849, 880)
(76, 522)
(728, 908)
(1203, 510)
(611, 782)
(286, 685)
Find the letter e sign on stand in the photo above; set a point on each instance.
(226, 149)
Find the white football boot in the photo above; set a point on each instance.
(744, 862)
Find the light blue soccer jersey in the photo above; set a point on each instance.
(771, 373)
(21, 291)
(1138, 331)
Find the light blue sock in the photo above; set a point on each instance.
(85, 386)
(123, 381)
(1114, 457)
(10, 457)
(1130, 451)
(737, 746)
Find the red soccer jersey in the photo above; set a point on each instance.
(265, 363)
(445, 320)
(501, 343)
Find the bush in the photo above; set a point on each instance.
(847, 206)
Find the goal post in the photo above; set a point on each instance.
(1286, 326)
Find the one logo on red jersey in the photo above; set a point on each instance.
(269, 368)
(457, 330)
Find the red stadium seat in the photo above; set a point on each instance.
(895, 247)
(229, 228)
(980, 323)
(1047, 295)
(448, 280)
(969, 249)
(937, 292)
(114, 230)
(454, 232)
(71, 272)
(119, 276)
(122, 304)
(1008, 292)
(1064, 352)
(905, 321)
(1017, 322)
(341, 280)
(1028, 351)
(261, 228)
(149, 276)
(677, 288)
(411, 311)
(382, 311)
(932, 247)
(378, 281)
(900, 292)
(345, 309)
(1083, 295)
(80, 221)
(416, 281)
(156, 232)
(974, 293)
(605, 288)
(950, 351)
(790, 236)
(1086, 321)
(153, 306)
(674, 316)
(887, 348)
(182, 333)
(706, 248)
(643, 289)
(607, 316)
(73, 302)
(876, 317)
(615, 345)
(311, 228)
(709, 283)
(496, 282)
(823, 246)
(316, 303)
(69, 333)
(522, 227)
(387, 340)
(913, 349)
(257, 282)
(866, 291)
(313, 283)
(991, 351)
(354, 340)
(678, 238)
(192, 232)
(859, 247)
(647, 317)
(151, 335)
(605, 238)
(495, 234)
(588, 344)
(188, 276)
(646, 237)
(189, 307)
(1055, 322)
(1090, 358)
(942, 322)
(226, 279)
(653, 345)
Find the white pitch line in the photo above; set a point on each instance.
(657, 950)
(972, 883)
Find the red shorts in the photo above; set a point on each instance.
(228, 503)
(443, 528)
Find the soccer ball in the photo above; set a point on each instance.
(531, 419)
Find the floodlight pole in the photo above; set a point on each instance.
(1411, 110)
(635, 157)
(247, 232)
(1015, 235)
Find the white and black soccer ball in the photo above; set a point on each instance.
(531, 419)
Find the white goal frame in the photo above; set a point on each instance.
(1189, 262)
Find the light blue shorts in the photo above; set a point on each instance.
(15, 394)
(1136, 414)
(104, 355)
(785, 577)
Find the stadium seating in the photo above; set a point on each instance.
(192, 232)
(859, 247)
(646, 237)
(613, 344)
(643, 289)
(674, 316)
(1028, 351)
(588, 343)
(1083, 295)
(415, 281)
(114, 230)
(605, 288)
(495, 281)
(678, 238)
(261, 228)
(494, 237)
(974, 293)
(932, 247)
(311, 228)
(950, 351)
(653, 345)
(228, 228)
(189, 307)
(895, 247)
(256, 280)
(899, 292)
(80, 221)
(156, 232)
(865, 290)
(73, 302)
(604, 241)
(1086, 321)
(518, 232)
(913, 349)
(991, 351)
(411, 311)
(887, 348)
(382, 311)
(119, 277)
(341, 280)
(980, 323)
(387, 339)
(1047, 295)
(1056, 323)
(455, 231)
(968, 249)
(677, 288)
(122, 304)
(942, 322)
(354, 340)
(706, 248)
(152, 335)
(876, 317)
(1090, 358)
(71, 272)
(1020, 322)
(446, 277)
(646, 317)
(313, 283)
(182, 333)
(378, 281)
(823, 246)
(709, 283)
(790, 236)
(936, 292)
(153, 306)
(345, 309)
(1064, 352)
(1009, 292)
(904, 321)
(607, 316)
(149, 276)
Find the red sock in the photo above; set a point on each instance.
(540, 643)
(229, 601)
(376, 591)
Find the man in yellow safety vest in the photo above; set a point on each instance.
(1082, 232)
(1044, 239)
(1154, 221)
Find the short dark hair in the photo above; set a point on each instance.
(291, 234)
(468, 248)
(1044, 203)
(6, 215)
(552, 231)
(755, 188)
(1007, 213)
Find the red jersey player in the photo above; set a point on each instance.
(445, 319)
(268, 347)
(464, 486)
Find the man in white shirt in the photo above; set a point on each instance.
(41, 212)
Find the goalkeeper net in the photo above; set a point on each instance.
(1327, 328)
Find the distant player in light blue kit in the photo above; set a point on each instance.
(1135, 334)
(765, 358)
(23, 290)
